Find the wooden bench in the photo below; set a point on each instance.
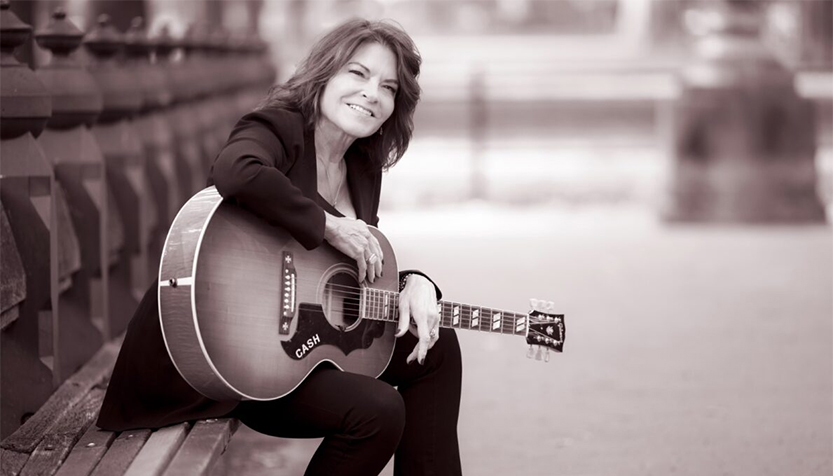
(61, 437)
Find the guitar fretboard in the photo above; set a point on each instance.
(380, 305)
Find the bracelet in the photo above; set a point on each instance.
(404, 280)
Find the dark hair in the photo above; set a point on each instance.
(329, 54)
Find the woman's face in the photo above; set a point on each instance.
(360, 97)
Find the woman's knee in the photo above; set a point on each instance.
(380, 414)
(447, 354)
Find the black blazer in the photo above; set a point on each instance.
(268, 166)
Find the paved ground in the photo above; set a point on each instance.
(690, 351)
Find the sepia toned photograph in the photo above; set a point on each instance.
(416, 237)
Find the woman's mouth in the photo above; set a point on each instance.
(361, 110)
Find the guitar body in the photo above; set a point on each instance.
(247, 312)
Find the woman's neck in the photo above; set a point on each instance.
(330, 142)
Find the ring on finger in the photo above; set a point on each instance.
(372, 258)
(433, 332)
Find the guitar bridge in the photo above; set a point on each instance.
(288, 285)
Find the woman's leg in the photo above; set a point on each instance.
(432, 402)
(360, 418)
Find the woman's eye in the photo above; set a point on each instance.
(391, 89)
(357, 72)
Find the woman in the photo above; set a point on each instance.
(310, 160)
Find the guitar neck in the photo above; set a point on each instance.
(381, 305)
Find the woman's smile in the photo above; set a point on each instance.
(361, 110)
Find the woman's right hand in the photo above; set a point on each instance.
(353, 238)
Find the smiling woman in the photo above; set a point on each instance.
(309, 160)
(360, 97)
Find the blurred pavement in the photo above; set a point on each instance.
(691, 350)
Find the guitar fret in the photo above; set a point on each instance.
(475, 319)
(376, 310)
(485, 323)
(380, 301)
(391, 305)
(442, 311)
(508, 324)
(371, 311)
(364, 303)
(371, 304)
(465, 316)
(520, 324)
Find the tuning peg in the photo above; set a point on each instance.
(550, 306)
(538, 354)
(529, 352)
(547, 355)
(533, 304)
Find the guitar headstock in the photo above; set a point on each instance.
(546, 329)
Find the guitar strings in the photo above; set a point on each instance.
(351, 311)
(347, 291)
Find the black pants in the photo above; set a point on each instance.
(364, 421)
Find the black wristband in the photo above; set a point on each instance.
(404, 280)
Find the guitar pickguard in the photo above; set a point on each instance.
(314, 330)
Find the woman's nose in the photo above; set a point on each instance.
(370, 92)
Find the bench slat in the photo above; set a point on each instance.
(30, 434)
(206, 442)
(158, 451)
(87, 452)
(121, 453)
(12, 462)
(55, 446)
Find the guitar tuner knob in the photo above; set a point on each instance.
(530, 352)
(538, 354)
(547, 355)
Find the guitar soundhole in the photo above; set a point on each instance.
(341, 300)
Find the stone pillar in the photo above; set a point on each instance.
(125, 163)
(29, 224)
(186, 81)
(206, 105)
(744, 141)
(79, 170)
(154, 130)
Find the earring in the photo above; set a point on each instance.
(380, 130)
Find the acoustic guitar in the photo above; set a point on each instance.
(247, 312)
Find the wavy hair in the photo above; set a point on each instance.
(329, 54)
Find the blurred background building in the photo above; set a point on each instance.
(526, 100)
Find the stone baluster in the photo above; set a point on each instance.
(29, 234)
(80, 174)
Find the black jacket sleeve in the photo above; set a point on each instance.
(405, 272)
(251, 170)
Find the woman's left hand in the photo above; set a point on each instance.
(419, 301)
